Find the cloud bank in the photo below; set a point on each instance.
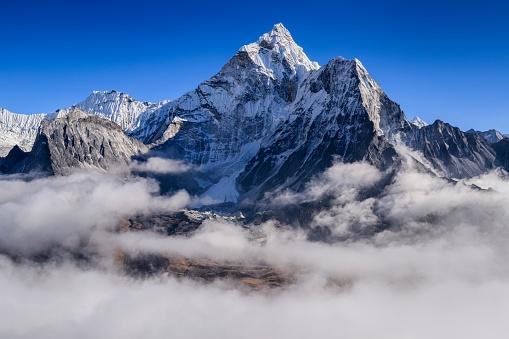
(436, 269)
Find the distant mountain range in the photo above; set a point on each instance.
(269, 120)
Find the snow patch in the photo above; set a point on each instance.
(419, 122)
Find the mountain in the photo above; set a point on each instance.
(80, 140)
(339, 111)
(269, 120)
(451, 152)
(270, 108)
(491, 135)
(138, 119)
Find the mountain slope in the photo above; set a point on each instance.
(9, 162)
(19, 129)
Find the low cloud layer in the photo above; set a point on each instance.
(66, 302)
(438, 268)
(58, 210)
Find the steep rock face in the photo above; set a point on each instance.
(80, 140)
(502, 152)
(339, 112)
(138, 119)
(453, 153)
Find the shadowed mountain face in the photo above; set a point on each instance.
(453, 153)
(270, 119)
(330, 118)
(15, 156)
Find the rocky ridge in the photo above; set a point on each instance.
(138, 119)
(491, 135)
(80, 140)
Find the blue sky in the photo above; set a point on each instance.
(443, 60)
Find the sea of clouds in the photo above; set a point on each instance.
(439, 270)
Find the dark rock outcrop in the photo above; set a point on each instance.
(16, 155)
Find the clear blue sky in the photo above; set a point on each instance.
(437, 59)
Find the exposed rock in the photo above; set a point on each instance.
(340, 113)
(255, 277)
(502, 152)
(81, 140)
(177, 223)
(453, 153)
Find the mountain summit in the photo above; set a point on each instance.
(277, 54)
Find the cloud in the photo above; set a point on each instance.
(55, 210)
(68, 301)
(161, 166)
(438, 267)
(342, 180)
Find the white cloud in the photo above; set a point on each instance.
(161, 166)
(439, 271)
(36, 214)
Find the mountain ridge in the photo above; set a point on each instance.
(80, 140)
(271, 119)
(138, 119)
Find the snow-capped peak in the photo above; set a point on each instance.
(277, 54)
(279, 35)
(418, 122)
